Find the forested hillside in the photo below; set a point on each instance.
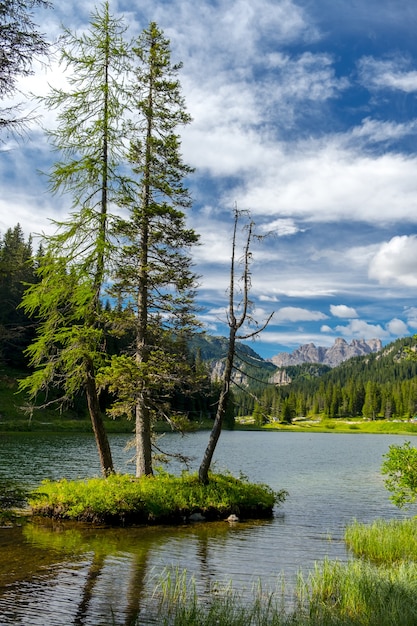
(376, 385)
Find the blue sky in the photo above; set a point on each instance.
(304, 113)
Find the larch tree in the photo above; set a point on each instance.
(154, 272)
(239, 314)
(89, 137)
(20, 44)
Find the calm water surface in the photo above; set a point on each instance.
(56, 574)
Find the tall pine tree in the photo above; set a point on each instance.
(154, 271)
(70, 346)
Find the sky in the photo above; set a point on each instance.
(305, 114)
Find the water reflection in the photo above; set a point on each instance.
(97, 576)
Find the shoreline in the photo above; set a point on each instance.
(336, 425)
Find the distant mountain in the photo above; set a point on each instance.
(213, 350)
(335, 355)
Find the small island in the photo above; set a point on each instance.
(122, 499)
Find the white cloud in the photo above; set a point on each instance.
(411, 315)
(341, 310)
(397, 327)
(308, 77)
(380, 131)
(362, 329)
(293, 339)
(297, 314)
(281, 227)
(396, 262)
(265, 298)
(387, 74)
(323, 181)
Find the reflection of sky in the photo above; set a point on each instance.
(304, 113)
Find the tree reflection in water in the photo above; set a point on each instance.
(94, 575)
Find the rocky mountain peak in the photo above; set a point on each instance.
(333, 356)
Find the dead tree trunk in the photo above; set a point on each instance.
(237, 315)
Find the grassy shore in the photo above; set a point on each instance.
(383, 541)
(339, 425)
(68, 423)
(335, 594)
(357, 593)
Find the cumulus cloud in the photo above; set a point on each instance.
(326, 329)
(341, 310)
(362, 329)
(397, 327)
(396, 262)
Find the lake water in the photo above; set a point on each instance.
(59, 574)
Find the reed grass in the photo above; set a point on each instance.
(356, 593)
(383, 541)
(179, 604)
(360, 593)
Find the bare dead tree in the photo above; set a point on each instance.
(238, 313)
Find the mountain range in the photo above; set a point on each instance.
(333, 356)
(212, 350)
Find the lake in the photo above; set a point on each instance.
(60, 574)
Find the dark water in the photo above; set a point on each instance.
(56, 574)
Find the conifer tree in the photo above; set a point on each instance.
(154, 270)
(70, 345)
(20, 44)
(16, 269)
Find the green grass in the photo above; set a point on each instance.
(124, 499)
(383, 541)
(335, 594)
(357, 425)
(361, 593)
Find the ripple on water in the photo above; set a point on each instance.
(48, 577)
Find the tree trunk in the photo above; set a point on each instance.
(143, 438)
(221, 410)
(100, 434)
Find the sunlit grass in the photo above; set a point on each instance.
(361, 593)
(383, 541)
(125, 499)
(340, 425)
(335, 594)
